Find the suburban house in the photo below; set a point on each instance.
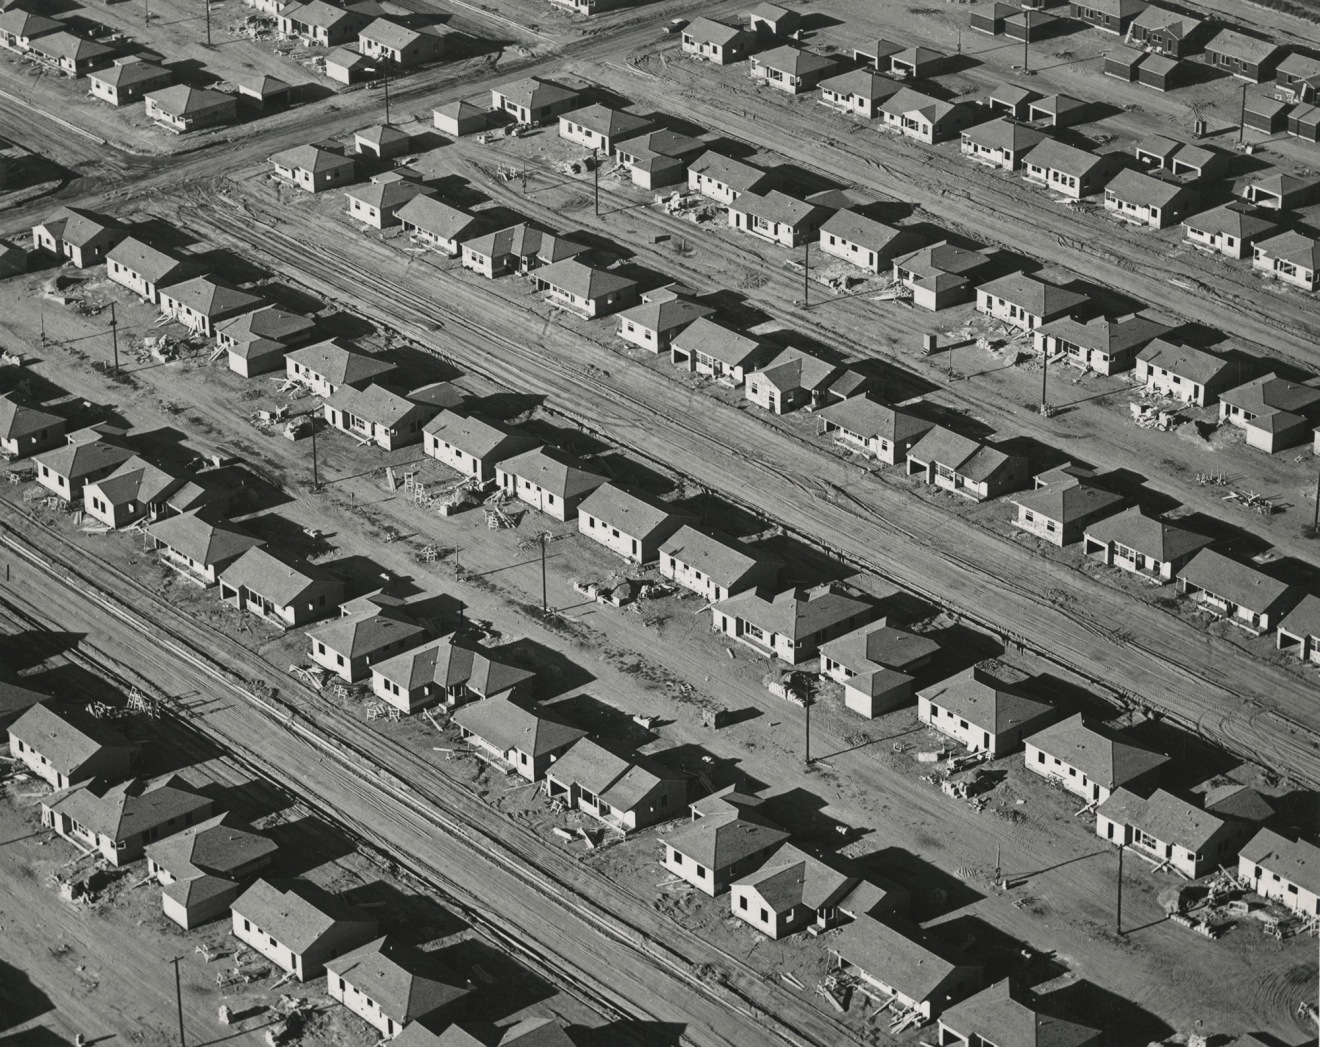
(705, 347)
(713, 566)
(1135, 542)
(914, 971)
(25, 428)
(518, 249)
(326, 367)
(366, 633)
(85, 458)
(197, 547)
(1290, 257)
(874, 664)
(724, 179)
(378, 202)
(182, 108)
(299, 926)
(15, 701)
(144, 270)
(625, 794)
(1283, 192)
(655, 159)
(654, 325)
(549, 480)
(1144, 199)
(533, 100)
(767, 19)
(64, 745)
(118, 821)
(390, 985)
(796, 890)
(1060, 512)
(203, 868)
(1191, 839)
(1113, 16)
(449, 673)
(1182, 372)
(204, 301)
(584, 288)
(1246, 597)
(402, 46)
(961, 465)
(1001, 144)
(791, 69)
(72, 55)
(927, 119)
(1166, 32)
(858, 91)
(1102, 345)
(138, 490)
(716, 42)
(1026, 302)
(1226, 230)
(377, 415)
(128, 80)
(884, 432)
(941, 275)
(1073, 173)
(1297, 78)
(18, 28)
(790, 380)
(1248, 58)
(1091, 759)
(982, 713)
(1274, 413)
(324, 24)
(258, 341)
(863, 241)
(790, 625)
(778, 217)
(626, 523)
(992, 1017)
(281, 588)
(726, 838)
(600, 127)
(83, 237)
(437, 223)
(526, 741)
(473, 445)
(313, 167)
(460, 118)
(1282, 870)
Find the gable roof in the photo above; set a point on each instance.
(862, 83)
(361, 632)
(1004, 134)
(437, 217)
(796, 369)
(1109, 336)
(507, 726)
(622, 783)
(1270, 394)
(1100, 752)
(708, 31)
(450, 663)
(728, 347)
(376, 403)
(1175, 24)
(666, 142)
(1292, 246)
(394, 35)
(387, 196)
(1142, 188)
(183, 100)
(129, 808)
(1053, 155)
(126, 74)
(1147, 535)
(553, 470)
(1240, 45)
(793, 877)
(297, 914)
(210, 296)
(20, 416)
(79, 226)
(1164, 816)
(404, 982)
(855, 228)
(1038, 297)
(1197, 365)
(137, 480)
(738, 175)
(76, 460)
(915, 965)
(204, 541)
(217, 846)
(794, 613)
(636, 515)
(604, 120)
(1295, 860)
(793, 60)
(278, 576)
(26, 24)
(1068, 501)
(867, 419)
(945, 447)
(725, 836)
(150, 263)
(339, 362)
(880, 645)
(477, 435)
(62, 45)
(1304, 619)
(1233, 581)
(524, 241)
(721, 559)
(269, 323)
(666, 315)
(532, 92)
(989, 704)
(66, 735)
(582, 280)
(996, 1017)
(311, 158)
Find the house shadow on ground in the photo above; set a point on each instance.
(934, 892)
(628, 1033)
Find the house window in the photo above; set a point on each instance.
(742, 903)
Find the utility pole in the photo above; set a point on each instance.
(1118, 911)
(207, 4)
(1044, 375)
(316, 469)
(807, 731)
(1242, 116)
(595, 169)
(1315, 524)
(545, 600)
(178, 999)
(146, 20)
(114, 335)
(1026, 48)
(524, 178)
(455, 563)
(998, 868)
(806, 276)
(385, 73)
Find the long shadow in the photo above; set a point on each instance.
(556, 674)
(868, 743)
(628, 1033)
(1056, 865)
(20, 999)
